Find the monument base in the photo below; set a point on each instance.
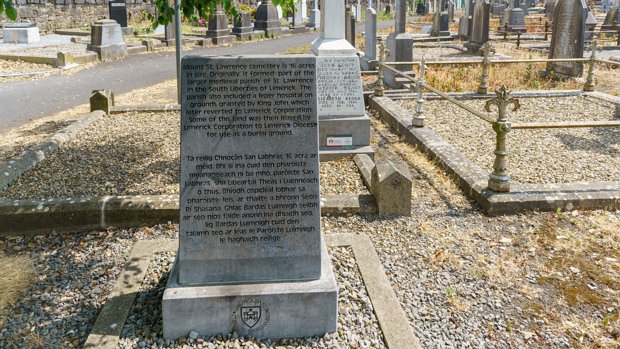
(297, 29)
(261, 310)
(219, 40)
(473, 48)
(368, 64)
(332, 47)
(344, 130)
(26, 35)
(108, 52)
(252, 35)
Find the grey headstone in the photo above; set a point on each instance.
(243, 23)
(480, 27)
(400, 16)
(590, 25)
(267, 19)
(118, 11)
(568, 36)
(370, 40)
(441, 24)
(218, 30)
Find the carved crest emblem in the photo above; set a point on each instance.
(250, 315)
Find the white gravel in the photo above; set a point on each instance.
(535, 156)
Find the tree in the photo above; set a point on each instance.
(6, 6)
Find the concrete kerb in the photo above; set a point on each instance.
(34, 217)
(118, 109)
(12, 169)
(393, 321)
(473, 180)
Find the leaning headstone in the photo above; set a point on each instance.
(251, 255)
(344, 127)
(400, 45)
(267, 19)
(218, 30)
(568, 38)
(106, 39)
(369, 59)
(21, 33)
(118, 12)
(480, 27)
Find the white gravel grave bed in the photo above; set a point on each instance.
(535, 156)
(74, 275)
(432, 52)
(12, 69)
(49, 45)
(357, 324)
(135, 154)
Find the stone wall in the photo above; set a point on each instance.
(54, 14)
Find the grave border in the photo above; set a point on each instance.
(395, 326)
(473, 180)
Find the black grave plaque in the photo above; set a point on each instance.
(118, 12)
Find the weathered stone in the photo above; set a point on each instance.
(480, 27)
(170, 30)
(391, 186)
(252, 260)
(498, 9)
(550, 9)
(441, 24)
(218, 30)
(568, 37)
(267, 19)
(118, 11)
(297, 26)
(101, 100)
(465, 22)
(369, 59)
(400, 45)
(590, 25)
(513, 20)
(21, 33)
(612, 20)
(106, 39)
(65, 59)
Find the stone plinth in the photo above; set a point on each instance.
(261, 310)
(251, 256)
(267, 19)
(106, 39)
(21, 33)
(515, 19)
(218, 30)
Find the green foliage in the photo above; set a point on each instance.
(191, 10)
(6, 6)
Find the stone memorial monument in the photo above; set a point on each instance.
(369, 60)
(218, 30)
(315, 16)
(465, 22)
(118, 12)
(498, 9)
(480, 27)
(251, 255)
(21, 33)
(243, 28)
(107, 40)
(297, 26)
(568, 37)
(441, 24)
(612, 20)
(513, 19)
(267, 19)
(344, 127)
(400, 45)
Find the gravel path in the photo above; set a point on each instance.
(357, 324)
(135, 154)
(536, 156)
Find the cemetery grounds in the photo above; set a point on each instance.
(463, 278)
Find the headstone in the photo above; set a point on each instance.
(513, 19)
(441, 24)
(550, 9)
(612, 20)
(170, 30)
(388, 7)
(298, 23)
(347, 29)
(480, 27)
(218, 30)
(465, 22)
(568, 37)
(106, 39)
(251, 255)
(450, 9)
(590, 25)
(344, 127)
(358, 11)
(243, 28)
(118, 11)
(267, 19)
(21, 33)
(421, 9)
(524, 7)
(315, 16)
(304, 10)
(369, 60)
(498, 9)
(400, 45)
(352, 24)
